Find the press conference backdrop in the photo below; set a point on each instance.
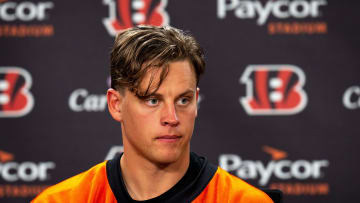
(279, 102)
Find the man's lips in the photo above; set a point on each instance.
(168, 138)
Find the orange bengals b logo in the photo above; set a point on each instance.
(124, 14)
(15, 98)
(273, 90)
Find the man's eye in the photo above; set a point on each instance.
(152, 101)
(183, 101)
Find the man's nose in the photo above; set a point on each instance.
(169, 116)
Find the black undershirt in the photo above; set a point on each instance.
(187, 189)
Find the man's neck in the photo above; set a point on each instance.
(145, 180)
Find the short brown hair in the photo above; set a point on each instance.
(138, 49)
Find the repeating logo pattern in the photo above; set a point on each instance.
(114, 150)
(19, 177)
(305, 15)
(124, 14)
(26, 18)
(292, 177)
(15, 98)
(273, 90)
(351, 98)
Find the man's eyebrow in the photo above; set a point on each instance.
(160, 96)
(189, 91)
(155, 95)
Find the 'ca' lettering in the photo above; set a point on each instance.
(351, 98)
(80, 100)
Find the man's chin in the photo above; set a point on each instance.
(167, 157)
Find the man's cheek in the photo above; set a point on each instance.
(147, 113)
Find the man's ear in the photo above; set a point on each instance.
(115, 102)
(197, 100)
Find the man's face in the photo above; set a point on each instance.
(159, 127)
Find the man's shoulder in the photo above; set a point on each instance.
(241, 189)
(77, 187)
(228, 188)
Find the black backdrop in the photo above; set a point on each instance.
(280, 99)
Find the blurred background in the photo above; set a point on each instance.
(280, 98)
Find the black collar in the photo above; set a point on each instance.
(187, 189)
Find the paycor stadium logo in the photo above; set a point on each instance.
(280, 16)
(25, 18)
(292, 177)
(20, 179)
(124, 14)
(273, 90)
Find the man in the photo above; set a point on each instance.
(154, 74)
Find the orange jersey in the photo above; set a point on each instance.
(209, 184)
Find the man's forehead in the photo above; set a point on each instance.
(158, 77)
